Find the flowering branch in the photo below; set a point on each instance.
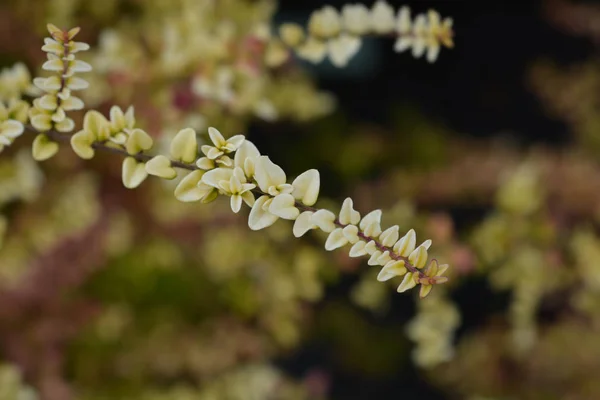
(232, 167)
(339, 34)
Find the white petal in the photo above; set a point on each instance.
(384, 258)
(80, 66)
(433, 50)
(403, 21)
(306, 187)
(351, 233)
(313, 50)
(324, 219)
(43, 148)
(374, 257)
(347, 214)
(391, 270)
(213, 177)
(259, 218)
(406, 244)
(373, 216)
(205, 163)
(342, 49)
(371, 247)
(382, 17)
(407, 283)
(247, 149)
(358, 250)
(161, 166)
(390, 236)
(188, 190)
(75, 83)
(335, 240)
(236, 203)
(268, 174)
(11, 128)
(184, 146)
(372, 230)
(216, 137)
(303, 224)
(133, 173)
(283, 206)
(234, 142)
(418, 257)
(403, 43)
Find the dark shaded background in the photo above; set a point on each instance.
(478, 89)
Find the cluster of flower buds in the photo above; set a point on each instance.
(49, 111)
(399, 256)
(10, 128)
(234, 167)
(14, 83)
(117, 133)
(339, 34)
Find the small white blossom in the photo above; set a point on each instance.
(325, 23)
(356, 19)
(343, 48)
(313, 50)
(221, 146)
(383, 20)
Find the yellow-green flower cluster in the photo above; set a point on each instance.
(12, 385)
(339, 34)
(118, 133)
(49, 111)
(14, 83)
(399, 256)
(10, 128)
(432, 330)
(249, 173)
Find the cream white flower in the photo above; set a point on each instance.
(184, 146)
(221, 146)
(161, 166)
(303, 223)
(191, 188)
(96, 128)
(325, 23)
(389, 237)
(343, 48)
(313, 50)
(260, 217)
(306, 187)
(356, 19)
(406, 244)
(392, 269)
(133, 173)
(231, 182)
(371, 224)
(9, 131)
(324, 219)
(246, 157)
(270, 177)
(383, 20)
(120, 121)
(408, 282)
(291, 34)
